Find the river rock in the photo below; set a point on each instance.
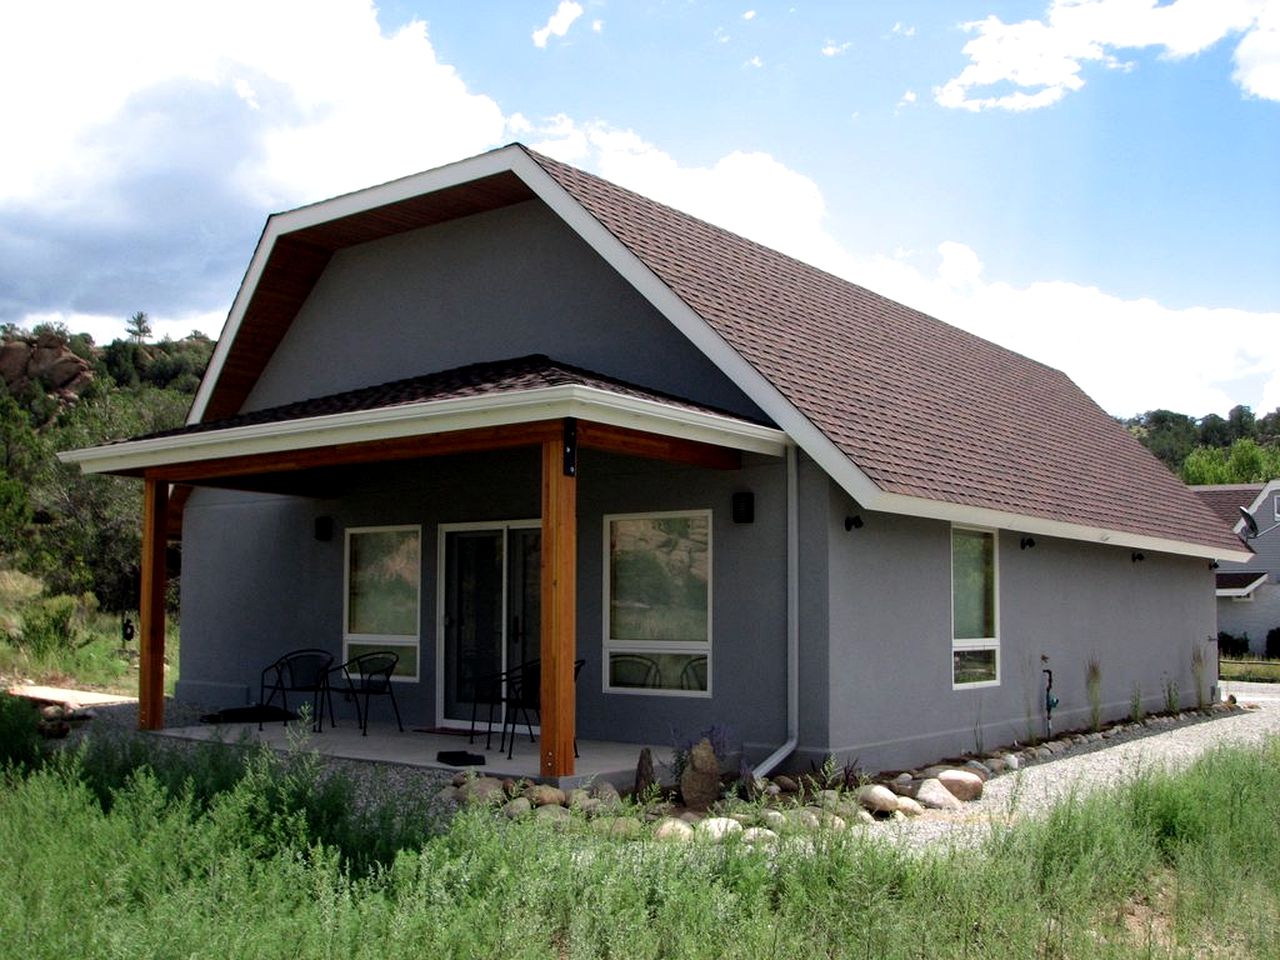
(700, 781)
(481, 790)
(717, 828)
(935, 796)
(759, 835)
(517, 808)
(909, 807)
(877, 798)
(963, 784)
(544, 795)
(671, 828)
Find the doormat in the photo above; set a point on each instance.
(256, 713)
(460, 758)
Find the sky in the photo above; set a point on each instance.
(1093, 183)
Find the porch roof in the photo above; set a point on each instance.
(519, 391)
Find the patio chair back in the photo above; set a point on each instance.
(369, 675)
(299, 671)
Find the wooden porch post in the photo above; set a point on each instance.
(559, 569)
(155, 501)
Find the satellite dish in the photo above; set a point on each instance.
(1250, 524)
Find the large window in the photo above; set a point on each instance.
(975, 643)
(657, 603)
(383, 582)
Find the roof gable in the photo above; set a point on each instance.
(907, 413)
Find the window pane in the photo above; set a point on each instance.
(973, 584)
(383, 583)
(973, 666)
(406, 666)
(658, 570)
(660, 671)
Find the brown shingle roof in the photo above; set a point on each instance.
(516, 375)
(922, 408)
(1226, 500)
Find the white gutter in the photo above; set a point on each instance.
(1240, 592)
(793, 622)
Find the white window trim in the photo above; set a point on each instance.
(611, 646)
(375, 639)
(976, 643)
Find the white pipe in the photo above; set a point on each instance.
(793, 621)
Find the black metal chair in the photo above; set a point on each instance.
(370, 675)
(517, 693)
(633, 670)
(524, 694)
(299, 671)
(694, 674)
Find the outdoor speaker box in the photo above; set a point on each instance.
(324, 529)
(744, 507)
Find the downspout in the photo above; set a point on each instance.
(793, 621)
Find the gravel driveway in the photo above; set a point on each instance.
(1037, 788)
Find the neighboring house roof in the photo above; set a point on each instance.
(1226, 499)
(908, 414)
(1239, 584)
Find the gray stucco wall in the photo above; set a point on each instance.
(502, 284)
(891, 697)
(256, 583)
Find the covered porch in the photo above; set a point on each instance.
(614, 761)
(298, 451)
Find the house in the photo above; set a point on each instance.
(1248, 596)
(505, 411)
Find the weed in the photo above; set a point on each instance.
(1093, 685)
(1136, 710)
(1170, 695)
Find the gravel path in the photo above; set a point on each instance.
(1033, 790)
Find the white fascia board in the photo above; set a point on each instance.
(1270, 488)
(1242, 591)
(439, 416)
(279, 224)
(1000, 519)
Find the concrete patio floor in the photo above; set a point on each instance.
(599, 760)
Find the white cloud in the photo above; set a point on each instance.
(1130, 355)
(754, 62)
(749, 15)
(903, 30)
(559, 23)
(597, 26)
(833, 49)
(154, 136)
(908, 98)
(720, 35)
(1042, 60)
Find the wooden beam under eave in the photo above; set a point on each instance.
(478, 440)
(155, 501)
(656, 446)
(559, 569)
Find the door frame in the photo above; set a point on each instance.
(442, 531)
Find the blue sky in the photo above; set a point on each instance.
(1091, 182)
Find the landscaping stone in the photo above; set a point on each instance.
(517, 808)
(575, 798)
(772, 790)
(877, 798)
(1012, 761)
(448, 794)
(717, 828)
(544, 795)
(700, 781)
(995, 765)
(905, 788)
(553, 814)
(828, 799)
(671, 828)
(786, 784)
(935, 796)
(645, 778)
(963, 784)
(692, 816)
(978, 767)
(759, 835)
(775, 820)
(605, 792)
(803, 818)
(908, 807)
(481, 790)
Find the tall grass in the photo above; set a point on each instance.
(1170, 865)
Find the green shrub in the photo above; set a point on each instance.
(1273, 643)
(53, 625)
(21, 745)
(1233, 646)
